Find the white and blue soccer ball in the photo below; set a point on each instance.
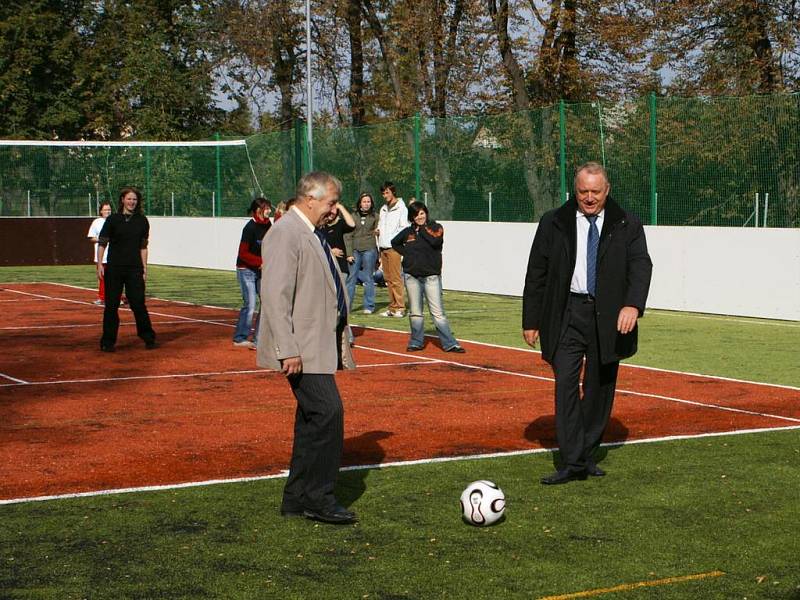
(482, 503)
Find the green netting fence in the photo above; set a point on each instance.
(673, 161)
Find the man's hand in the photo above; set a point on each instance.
(627, 319)
(530, 335)
(292, 366)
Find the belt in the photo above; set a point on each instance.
(583, 297)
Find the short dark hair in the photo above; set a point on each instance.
(124, 192)
(415, 208)
(102, 204)
(388, 185)
(258, 203)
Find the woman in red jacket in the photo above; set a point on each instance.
(248, 270)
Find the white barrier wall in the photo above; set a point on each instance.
(722, 270)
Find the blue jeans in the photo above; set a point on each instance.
(250, 283)
(431, 287)
(361, 270)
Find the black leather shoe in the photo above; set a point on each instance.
(595, 471)
(106, 348)
(150, 344)
(338, 515)
(563, 476)
(456, 349)
(289, 512)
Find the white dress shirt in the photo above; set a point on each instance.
(578, 284)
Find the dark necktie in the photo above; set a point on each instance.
(341, 305)
(591, 255)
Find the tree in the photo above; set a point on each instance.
(731, 46)
(39, 50)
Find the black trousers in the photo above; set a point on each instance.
(132, 279)
(580, 422)
(318, 443)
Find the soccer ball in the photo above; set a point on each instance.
(482, 503)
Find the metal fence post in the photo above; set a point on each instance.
(218, 201)
(417, 176)
(147, 180)
(653, 161)
(562, 149)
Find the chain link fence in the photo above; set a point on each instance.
(673, 161)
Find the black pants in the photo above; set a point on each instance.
(318, 443)
(132, 279)
(580, 423)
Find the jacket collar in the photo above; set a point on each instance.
(565, 214)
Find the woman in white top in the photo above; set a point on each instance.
(94, 233)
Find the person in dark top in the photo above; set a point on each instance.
(339, 222)
(420, 245)
(248, 270)
(127, 232)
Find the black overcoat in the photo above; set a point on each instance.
(623, 278)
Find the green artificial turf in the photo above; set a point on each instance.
(666, 509)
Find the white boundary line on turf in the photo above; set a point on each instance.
(619, 390)
(158, 314)
(485, 344)
(393, 464)
(626, 365)
(27, 327)
(23, 383)
(17, 381)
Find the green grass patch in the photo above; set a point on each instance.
(666, 509)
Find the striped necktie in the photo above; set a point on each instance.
(341, 305)
(591, 255)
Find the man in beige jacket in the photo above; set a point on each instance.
(303, 316)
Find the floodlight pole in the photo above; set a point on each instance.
(309, 99)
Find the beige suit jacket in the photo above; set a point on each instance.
(298, 300)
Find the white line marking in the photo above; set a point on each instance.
(485, 344)
(624, 365)
(21, 382)
(750, 321)
(393, 464)
(622, 391)
(122, 324)
(159, 314)
(18, 381)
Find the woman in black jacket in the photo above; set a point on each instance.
(420, 244)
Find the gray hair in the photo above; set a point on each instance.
(592, 167)
(315, 184)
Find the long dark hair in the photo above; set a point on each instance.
(371, 210)
(124, 192)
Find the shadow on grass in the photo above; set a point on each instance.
(543, 432)
(364, 449)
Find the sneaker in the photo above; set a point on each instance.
(399, 314)
(387, 313)
(244, 344)
(413, 348)
(368, 311)
(98, 302)
(456, 349)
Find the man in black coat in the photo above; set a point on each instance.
(586, 286)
